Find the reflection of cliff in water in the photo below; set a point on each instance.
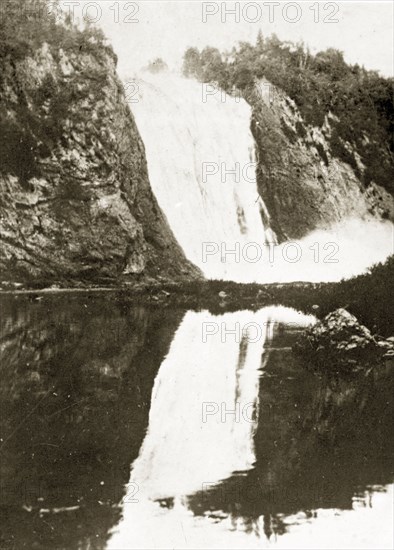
(318, 444)
(77, 375)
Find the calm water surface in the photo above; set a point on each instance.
(137, 427)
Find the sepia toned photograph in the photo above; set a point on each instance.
(196, 275)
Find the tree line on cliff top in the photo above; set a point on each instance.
(320, 85)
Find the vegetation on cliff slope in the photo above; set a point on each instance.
(359, 102)
(31, 133)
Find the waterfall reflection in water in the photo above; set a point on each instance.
(91, 390)
(273, 478)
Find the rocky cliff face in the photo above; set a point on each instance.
(303, 186)
(75, 203)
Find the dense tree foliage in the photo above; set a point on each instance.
(322, 84)
(25, 25)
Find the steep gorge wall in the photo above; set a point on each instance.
(303, 186)
(76, 204)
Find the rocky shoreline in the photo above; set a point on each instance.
(338, 344)
(216, 296)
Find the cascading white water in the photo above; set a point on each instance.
(200, 155)
(201, 166)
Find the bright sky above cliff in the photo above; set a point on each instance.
(142, 31)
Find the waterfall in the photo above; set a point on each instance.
(201, 162)
(202, 173)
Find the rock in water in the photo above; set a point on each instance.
(339, 344)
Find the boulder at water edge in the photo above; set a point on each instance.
(340, 344)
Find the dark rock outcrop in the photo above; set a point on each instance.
(302, 184)
(76, 203)
(339, 343)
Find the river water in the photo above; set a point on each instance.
(142, 427)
